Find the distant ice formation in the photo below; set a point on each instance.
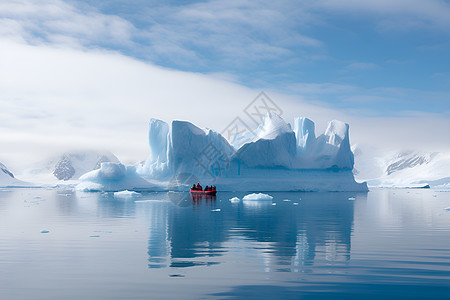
(7, 178)
(404, 169)
(67, 166)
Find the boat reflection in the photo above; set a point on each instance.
(197, 198)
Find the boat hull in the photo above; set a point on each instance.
(194, 192)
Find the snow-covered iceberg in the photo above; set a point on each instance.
(276, 158)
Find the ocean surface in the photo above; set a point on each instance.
(385, 244)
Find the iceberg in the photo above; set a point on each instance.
(276, 158)
(257, 196)
(126, 194)
(235, 200)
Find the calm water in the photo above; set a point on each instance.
(381, 245)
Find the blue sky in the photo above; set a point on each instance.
(100, 69)
(389, 53)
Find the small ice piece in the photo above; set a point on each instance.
(258, 196)
(273, 204)
(217, 209)
(235, 200)
(295, 203)
(286, 200)
(351, 198)
(447, 208)
(126, 194)
(94, 236)
(45, 231)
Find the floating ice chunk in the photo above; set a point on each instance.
(214, 210)
(89, 187)
(45, 231)
(351, 198)
(295, 203)
(273, 204)
(258, 196)
(94, 236)
(235, 200)
(287, 200)
(126, 194)
(447, 208)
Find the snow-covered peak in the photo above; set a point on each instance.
(69, 165)
(272, 126)
(7, 178)
(404, 168)
(5, 170)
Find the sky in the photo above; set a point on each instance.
(90, 74)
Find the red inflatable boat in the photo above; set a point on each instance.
(196, 192)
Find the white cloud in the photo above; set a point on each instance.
(56, 22)
(60, 98)
(56, 92)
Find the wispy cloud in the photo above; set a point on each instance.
(58, 23)
(395, 15)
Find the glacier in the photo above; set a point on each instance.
(275, 157)
(403, 169)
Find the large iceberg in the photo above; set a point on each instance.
(274, 158)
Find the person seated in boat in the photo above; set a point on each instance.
(213, 188)
(193, 187)
(199, 187)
